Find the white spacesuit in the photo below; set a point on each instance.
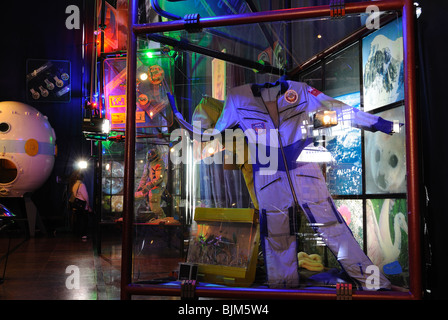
(152, 182)
(282, 127)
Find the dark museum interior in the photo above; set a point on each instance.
(339, 86)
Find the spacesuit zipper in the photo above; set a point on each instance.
(296, 202)
(288, 175)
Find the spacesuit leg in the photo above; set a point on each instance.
(323, 216)
(278, 238)
(154, 199)
(279, 249)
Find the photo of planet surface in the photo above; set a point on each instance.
(344, 175)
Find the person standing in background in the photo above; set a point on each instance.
(80, 217)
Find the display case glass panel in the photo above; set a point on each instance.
(153, 118)
(153, 78)
(317, 212)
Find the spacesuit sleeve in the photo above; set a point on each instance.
(180, 119)
(227, 119)
(348, 115)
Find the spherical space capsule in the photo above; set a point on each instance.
(27, 149)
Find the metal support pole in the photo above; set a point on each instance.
(129, 163)
(412, 148)
(266, 16)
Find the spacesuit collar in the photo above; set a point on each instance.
(257, 88)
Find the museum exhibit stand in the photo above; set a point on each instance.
(263, 155)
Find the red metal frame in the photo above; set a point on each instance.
(406, 6)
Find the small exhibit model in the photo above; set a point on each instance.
(152, 182)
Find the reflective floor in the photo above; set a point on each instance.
(44, 268)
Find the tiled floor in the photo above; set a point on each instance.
(39, 269)
(44, 267)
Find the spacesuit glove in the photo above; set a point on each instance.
(388, 127)
(399, 128)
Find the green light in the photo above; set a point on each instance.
(149, 54)
(93, 136)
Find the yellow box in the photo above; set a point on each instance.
(225, 245)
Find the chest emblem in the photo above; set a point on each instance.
(258, 126)
(291, 96)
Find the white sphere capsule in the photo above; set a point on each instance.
(27, 149)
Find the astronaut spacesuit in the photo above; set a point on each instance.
(152, 182)
(282, 189)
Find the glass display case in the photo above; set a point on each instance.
(154, 118)
(273, 167)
